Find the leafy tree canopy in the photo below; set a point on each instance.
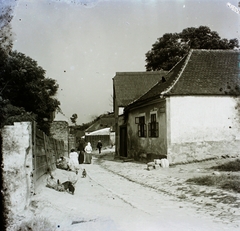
(24, 84)
(74, 118)
(171, 47)
(25, 92)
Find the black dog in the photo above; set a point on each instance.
(68, 186)
(84, 173)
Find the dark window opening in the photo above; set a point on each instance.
(153, 130)
(142, 132)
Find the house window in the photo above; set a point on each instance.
(141, 126)
(153, 126)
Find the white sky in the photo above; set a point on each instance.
(82, 44)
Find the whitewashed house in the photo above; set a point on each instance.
(193, 115)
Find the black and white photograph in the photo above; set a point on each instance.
(120, 115)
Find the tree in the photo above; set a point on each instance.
(171, 47)
(24, 84)
(25, 92)
(74, 118)
(10, 114)
(6, 41)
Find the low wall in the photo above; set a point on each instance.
(27, 155)
(17, 166)
(59, 130)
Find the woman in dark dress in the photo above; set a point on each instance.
(81, 152)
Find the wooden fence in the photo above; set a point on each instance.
(46, 151)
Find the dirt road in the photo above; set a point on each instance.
(106, 201)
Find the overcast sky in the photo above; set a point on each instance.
(82, 44)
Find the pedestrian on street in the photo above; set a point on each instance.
(88, 154)
(99, 146)
(73, 160)
(81, 152)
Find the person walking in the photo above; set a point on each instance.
(99, 146)
(81, 152)
(73, 160)
(88, 154)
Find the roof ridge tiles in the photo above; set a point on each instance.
(141, 73)
(179, 74)
(216, 50)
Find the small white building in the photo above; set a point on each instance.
(193, 115)
(106, 135)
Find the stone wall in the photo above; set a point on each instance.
(71, 142)
(17, 166)
(59, 130)
(27, 155)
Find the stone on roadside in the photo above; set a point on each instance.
(157, 161)
(157, 166)
(216, 173)
(150, 165)
(164, 163)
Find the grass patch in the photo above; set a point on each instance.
(232, 166)
(227, 182)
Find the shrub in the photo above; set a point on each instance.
(231, 184)
(233, 166)
(203, 180)
(224, 181)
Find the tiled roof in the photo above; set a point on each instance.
(104, 121)
(128, 86)
(201, 72)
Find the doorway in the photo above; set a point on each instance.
(123, 141)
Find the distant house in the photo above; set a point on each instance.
(127, 87)
(106, 135)
(103, 129)
(193, 115)
(103, 121)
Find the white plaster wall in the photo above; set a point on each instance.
(17, 166)
(112, 138)
(202, 127)
(209, 118)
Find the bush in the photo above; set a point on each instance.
(233, 166)
(231, 184)
(204, 180)
(228, 182)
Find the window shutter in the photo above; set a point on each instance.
(149, 130)
(145, 130)
(157, 130)
(139, 130)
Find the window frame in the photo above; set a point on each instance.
(153, 126)
(142, 127)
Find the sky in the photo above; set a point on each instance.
(82, 44)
